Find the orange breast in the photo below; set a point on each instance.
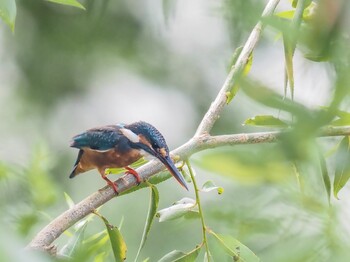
(92, 159)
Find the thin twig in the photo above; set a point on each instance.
(217, 106)
(198, 201)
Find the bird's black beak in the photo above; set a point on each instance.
(173, 170)
(169, 164)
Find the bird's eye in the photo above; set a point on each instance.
(162, 151)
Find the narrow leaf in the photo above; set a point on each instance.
(69, 200)
(101, 257)
(235, 56)
(8, 12)
(343, 114)
(117, 241)
(152, 210)
(74, 242)
(325, 176)
(299, 177)
(232, 93)
(265, 120)
(210, 186)
(177, 210)
(295, 3)
(342, 171)
(235, 249)
(185, 173)
(286, 14)
(343, 120)
(340, 122)
(73, 3)
(179, 256)
(289, 48)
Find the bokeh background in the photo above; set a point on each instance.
(65, 70)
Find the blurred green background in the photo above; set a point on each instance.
(65, 70)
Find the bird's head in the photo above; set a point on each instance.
(146, 137)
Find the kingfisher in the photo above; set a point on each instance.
(118, 146)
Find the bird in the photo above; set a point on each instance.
(118, 146)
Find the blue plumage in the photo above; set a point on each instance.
(98, 138)
(150, 132)
(120, 145)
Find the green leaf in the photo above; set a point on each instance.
(325, 176)
(73, 3)
(117, 241)
(179, 256)
(343, 114)
(96, 244)
(134, 165)
(69, 200)
(235, 56)
(8, 12)
(289, 14)
(235, 249)
(342, 171)
(74, 243)
(232, 93)
(185, 173)
(177, 210)
(286, 14)
(248, 165)
(156, 179)
(210, 186)
(342, 117)
(343, 120)
(299, 177)
(289, 48)
(290, 42)
(265, 120)
(270, 98)
(340, 122)
(101, 257)
(152, 210)
(295, 3)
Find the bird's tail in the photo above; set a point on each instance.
(74, 171)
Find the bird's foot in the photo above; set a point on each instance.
(111, 183)
(114, 186)
(134, 173)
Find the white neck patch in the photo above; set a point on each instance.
(130, 135)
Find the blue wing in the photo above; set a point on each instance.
(103, 138)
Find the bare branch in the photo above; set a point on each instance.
(217, 106)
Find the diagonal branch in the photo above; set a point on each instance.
(201, 141)
(217, 106)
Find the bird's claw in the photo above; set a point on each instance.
(134, 173)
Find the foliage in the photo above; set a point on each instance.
(281, 200)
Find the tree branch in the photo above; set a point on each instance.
(43, 240)
(217, 106)
(201, 141)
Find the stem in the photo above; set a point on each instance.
(219, 103)
(204, 230)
